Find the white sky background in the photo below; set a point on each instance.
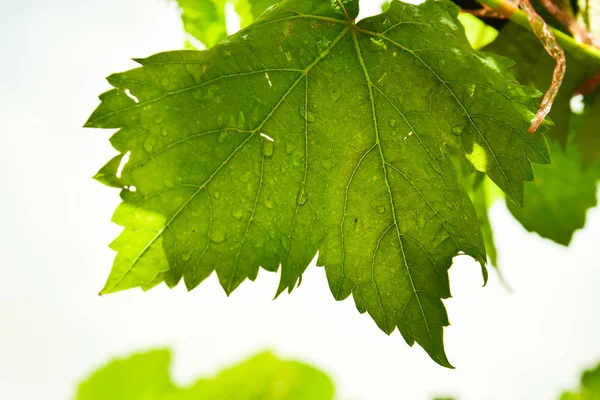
(55, 228)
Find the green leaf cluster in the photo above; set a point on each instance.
(558, 199)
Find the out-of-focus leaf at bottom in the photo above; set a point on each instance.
(263, 377)
(590, 387)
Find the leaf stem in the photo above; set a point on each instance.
(519, 17)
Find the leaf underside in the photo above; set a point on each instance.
(308, 132)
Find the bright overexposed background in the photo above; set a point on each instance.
(55, 227)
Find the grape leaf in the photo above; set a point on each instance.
(145, 376)
(558, 199)
(590, 387)
(308, 132)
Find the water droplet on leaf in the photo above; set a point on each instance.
(241, 120)
(302, 199)
(269, 203)
(268, 148)
(289, 147)
(149, 143)
(218, 236)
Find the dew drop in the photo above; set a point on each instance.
(392, 123)
(218, 236)
(335, 95)
(241, 120)
(158, 119)
(457, 129)
(149, 143)
(268, 148)
(186, 256)
(289, 147)
(237, 214)
(396, 68)
(380, 209)
(302, 199)
(164, 132)
(326, 164)
(216, 195)
(222, 136)
(269, 203)
(310, 117)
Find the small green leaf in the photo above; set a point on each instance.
(306, 132)
(478, 32)
(558, 199)
(146, 377)
(204, 20)
(251, 10)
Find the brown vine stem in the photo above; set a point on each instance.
(517, 16)
(548, 40)
(485, 12)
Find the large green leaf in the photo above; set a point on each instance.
(306, 132)
(145, 376)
